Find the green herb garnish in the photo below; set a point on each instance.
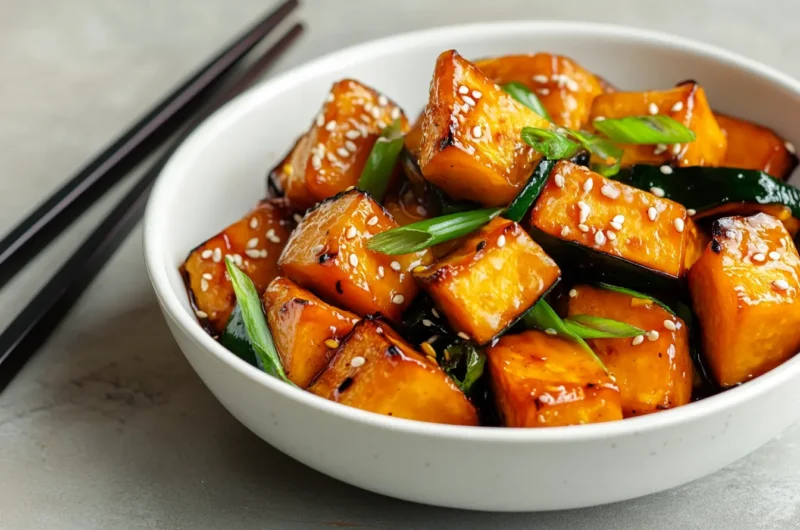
(522, 94)
(382, 160)
(472, 358)
(608, 154)
(552, 145)
(591, 327)
(649, 130)
(530, 192)
(634, 294)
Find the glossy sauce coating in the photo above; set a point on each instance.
(752, 146)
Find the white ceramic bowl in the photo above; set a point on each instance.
(219, 173)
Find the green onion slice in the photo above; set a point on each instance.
(649, 130)
(255, 323)
(524, 200)
(553, 145)
(382, 159)
(610, 155)
(634, 294)
(424, 234)
(473, 360)
(591, 327)
(522, 94)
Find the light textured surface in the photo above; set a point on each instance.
(108, 427)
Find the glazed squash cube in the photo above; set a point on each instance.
(580, 214)
(566, 89)
(490, 280)
(305, 329)
(653, 373)
(687, 104)
(752, 146)
(255, 242)
(374, 369)
(746, 294)
(328, 254)
(541, 380)
(471, 143)
(329, 158)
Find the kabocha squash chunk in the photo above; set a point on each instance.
(305, 329)
(584, 219)
(652, 375)
(471, 143)
(687, 104)
(255, 242)
(746, 293)
(374, 369)
(545, 381)
(329, 158)
(752, 146)
(564, 87)
(327, 254)
(490, 280)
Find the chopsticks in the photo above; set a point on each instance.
(34, 324)
(67, 203)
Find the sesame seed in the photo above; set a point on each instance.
(676, 149)
(352, 134)
(217, 257)
(476, 131)
(599, 237)
(678, 222)
(660, 148)
(331, 125)
(203, 284)
(320, 120)
(253, 243)
(559, 180)
(670, 325)
(253, 253)
(342, 152)
(272, 236)
(543, 91)
(615, 226)
(501, 241)
(759, 257)
(201, 314)
(208, 276)
(237, 259)
(428, 350)
(463, 335)
(434, 312)
(691, 211)
(382, 100)
(372, 221)
(666, 170)
(637, 340)
(476, 94)
(353, 260)
(427, 323)
(463, 90)
(774, 255)
(619, 219)
(398, 299)
(366, 118)
(740, 176)
(395, 113)
(585, 210)
(421, 210)
(671, 351)
(610, 191)
(658, 192)
(572, 85)
(583, 228)
(395, 265)
(611, 235)
(207, 253)
(652, 108)
(469, 101)
(565, 231)
(329, 98)
(652, 213)
(599, 118)
(573, 293)
(357, 361)
(781, 285)
(790, 147)
(539, 78)
(381, 271)
(588, 185)
(550, 331)
(677, 107)
(332, 343)
(254, 223)
(316, 162)
(350, 146)
(351, 232)
(331, 158)
(652, 336)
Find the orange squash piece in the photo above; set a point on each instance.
(752, 146)
(490, 280)
(687, 104)
(471, 143)
(580, 206)
(255, 242)
(374, 369)
(746, 293)
(327, 254)
(565, 88)
(653, 375)
(545, 381)
(329, 157)
(305, 329)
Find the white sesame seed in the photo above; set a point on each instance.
(331, 125)
(676, 149)
(353, 260)
(559, 180)
(253, 243)
(671, 351)
(543, 91)
(476, 94)
(254, 222)
(678, 223)
(208, 276)
(539, 78)
(316, 162)
(320, 120)
(600, 237)
(350, 146)
(372, 221)
(366, 118)
(615, 226)
(382, 100)
(203, 284)
(611, 235)
(610, 191)
(583, 228)
(463, 335)
(670, 325)
(501, 241)
(237, 259)
(781, 285)
(599, 118)
(619, 218)
(463, 90)
(774, 255)
(759, 257)
(551, 331)
(652, 213)
(691, 211)
(677, 107)
(469, 101)
(201, 314)
(790, 147)
(652, 336)
(352, 134)
(573, 293)
(381, 271)
(395, 113)
(217, 257)
(666, 170)
(476, 131)
(395, 265)
(357, 361)
(658, 192)
(329, 98)
(638, 339)
(652, 108)
(565, 231)
(272, 236)
(351, 232)
(588, 185)
(342, 152)
(207, 253)
(660, 148)
(253, 253)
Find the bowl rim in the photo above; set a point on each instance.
(158, 205)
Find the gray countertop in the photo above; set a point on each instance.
(108, 427)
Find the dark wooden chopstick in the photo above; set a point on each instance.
(46, 310)
(67, 203)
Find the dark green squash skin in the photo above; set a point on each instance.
(704, 189)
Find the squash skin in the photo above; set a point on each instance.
(545, 381)
(749, 324)
(707, 150)
(652, 376)
(641, 244)
(394, 379)
(752, 146)
(483, 286)
(490, 167)
(340, 269)
(218, 299)
(565, 88)
(330, 156)
(300, 324)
